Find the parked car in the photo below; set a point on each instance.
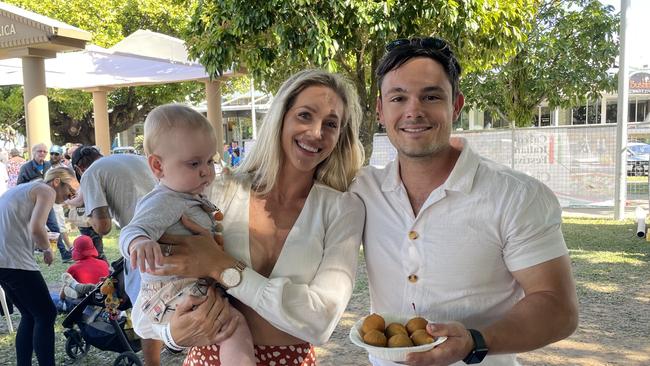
(124, 150)
(638, 157)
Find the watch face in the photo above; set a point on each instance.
(231, 277)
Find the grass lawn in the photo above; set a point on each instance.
(611, 267)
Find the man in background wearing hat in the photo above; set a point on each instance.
(56, 156)
(56, 160)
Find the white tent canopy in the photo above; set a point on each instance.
(99, 67)
(143, 58)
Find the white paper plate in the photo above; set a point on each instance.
(391, 354)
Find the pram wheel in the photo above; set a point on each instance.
(127, 359)
(75, 346)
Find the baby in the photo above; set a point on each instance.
(180, 145)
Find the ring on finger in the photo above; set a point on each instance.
(167, 250)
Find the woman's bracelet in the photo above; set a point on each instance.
(169, 341)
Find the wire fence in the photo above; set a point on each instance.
(577, 162)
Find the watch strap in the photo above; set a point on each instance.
(480, 350)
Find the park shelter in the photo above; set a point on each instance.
(34, 38)
(143, 58)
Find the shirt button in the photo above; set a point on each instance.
(413, 278)
(413, 235)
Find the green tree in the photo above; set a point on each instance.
(109, 22)
(272, 39)
(564, 59)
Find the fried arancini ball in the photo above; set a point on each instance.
(415, 324)
(395, 328)
(373, 321)
(420, 337)
(399, 340)
(375, 338)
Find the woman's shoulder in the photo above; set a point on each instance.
(341, 201)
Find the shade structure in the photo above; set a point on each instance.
(98, 67)
(143, 58)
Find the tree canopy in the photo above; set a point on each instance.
(563, 59)
(109, 22)
(274, 38)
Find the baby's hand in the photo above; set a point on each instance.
(145, 253)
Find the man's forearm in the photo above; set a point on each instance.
(537, 320)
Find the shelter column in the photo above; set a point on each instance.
(213, 97)
(36, 106)
(100, 110)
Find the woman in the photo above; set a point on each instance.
(291, 237)
(13, 167)
(23, 213)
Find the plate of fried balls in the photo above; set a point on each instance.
(392, 337)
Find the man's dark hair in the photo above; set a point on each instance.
(83, 156)
(402, 50)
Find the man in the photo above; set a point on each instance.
(113, 185)
(36, 169)
(473, 245)
(56, 156)
(56, 160)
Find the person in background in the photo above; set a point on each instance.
(56, 160)
(475, 245)
(226, 154)
(56, 156)
(23, 213)
(87, 270)
(235, 153)
(35, 169)
(13, 167)
(4, 176)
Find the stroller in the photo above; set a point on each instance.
(99, 320)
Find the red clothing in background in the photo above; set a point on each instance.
(89, 270)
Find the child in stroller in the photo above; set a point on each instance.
(100, 320)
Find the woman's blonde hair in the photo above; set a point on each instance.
(263, 162)
(168, 117)
(66, 175)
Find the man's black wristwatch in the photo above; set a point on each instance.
(480, 350)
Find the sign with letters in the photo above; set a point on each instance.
(7, 29)
(640, 83)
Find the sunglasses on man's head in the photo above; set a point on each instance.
(427, 43)
(432, 43)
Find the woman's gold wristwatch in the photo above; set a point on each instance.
(231, 277)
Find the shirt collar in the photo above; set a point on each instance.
(460, 179)
(462, 176)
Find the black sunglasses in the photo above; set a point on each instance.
(428, 43)
(55, 153)
(432, 43)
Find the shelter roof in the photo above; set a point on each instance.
(23, 32)
(98, 67)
